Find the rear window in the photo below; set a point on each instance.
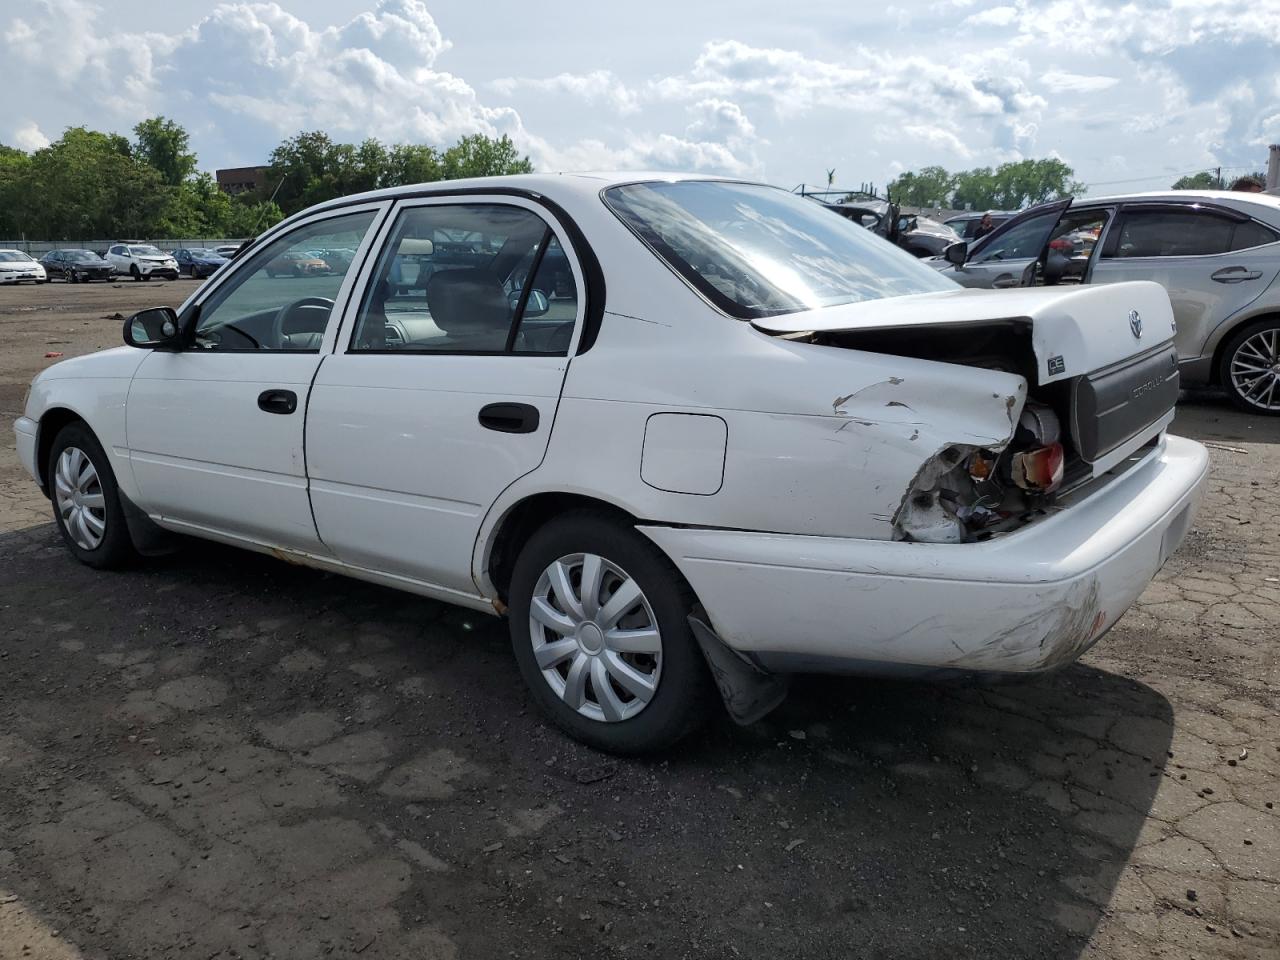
(757, 251)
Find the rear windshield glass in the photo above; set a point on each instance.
(757, 251)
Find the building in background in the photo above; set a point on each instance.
(236, 180)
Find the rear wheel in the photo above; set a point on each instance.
(599, 630)
(1250, 368)
(86, 500)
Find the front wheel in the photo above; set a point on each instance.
(599, 629)
(86, 500)
(135, 272)
(1250, 368)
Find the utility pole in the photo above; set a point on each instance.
(1217, 178)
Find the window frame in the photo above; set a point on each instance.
(1192, 207)
(190, 312)
(371, 259)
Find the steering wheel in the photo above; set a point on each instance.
(278, 323)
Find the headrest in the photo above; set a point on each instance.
(467, 301)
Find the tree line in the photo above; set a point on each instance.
(1010, 186)
(93, 185)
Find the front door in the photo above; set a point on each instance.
(1213, 263)
(215, 431)
(1008, 256)
(444, 391)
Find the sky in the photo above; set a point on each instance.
(1131, 95)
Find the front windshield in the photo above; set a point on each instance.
(757, 251)
(80, 256)
(201, 252)
(145, 251)
(13, 256)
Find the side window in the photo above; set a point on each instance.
(1071, 244)
(469, 278)
(281, 299)
(1252, 234)
(1173, 233)
(1022, 241)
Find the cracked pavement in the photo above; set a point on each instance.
(220, 755)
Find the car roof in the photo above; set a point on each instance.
(553, 185)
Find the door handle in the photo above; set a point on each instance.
(509, 417)
(1004, 281)
(1235, 274)
(278, 401)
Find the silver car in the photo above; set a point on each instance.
(1216, 253)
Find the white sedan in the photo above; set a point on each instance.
(673, 429)
(18, 267)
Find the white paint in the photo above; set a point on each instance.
(790, 459)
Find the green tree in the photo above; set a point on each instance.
(412, 163)
(480, 156)
(923, 189)
(163, 144)
(85, 184)
(1204, 180)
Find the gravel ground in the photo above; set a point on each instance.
(220, 755)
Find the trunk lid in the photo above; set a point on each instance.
(1075, 330)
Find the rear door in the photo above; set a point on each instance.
(1213, 261)
(444, 384)
(1007, 257)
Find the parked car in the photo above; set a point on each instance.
(296, 263)
(1217, 254)
(141, 261)
(919, 236)
(228, 250)
(922, 236)
(967, 224)
(741, 431)
(197, 262)
(17, 267)
(75, 266)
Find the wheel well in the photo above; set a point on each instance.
(1231, 332)
(52, 422)
(525, 518)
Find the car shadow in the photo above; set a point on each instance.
(1207, 415)
(863, 817)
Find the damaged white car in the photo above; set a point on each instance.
(674, 429)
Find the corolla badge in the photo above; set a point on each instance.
(1135, 323)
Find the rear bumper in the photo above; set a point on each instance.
(1030, 601)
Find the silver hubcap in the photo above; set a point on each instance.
(595, 637)
(1255, 370)
(77, 491)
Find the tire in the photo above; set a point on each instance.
(113, 548)
(679, 679)
(135, 272)
(71, 277)
(1245, 350)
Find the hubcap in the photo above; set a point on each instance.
(1255, 370)
(595, 637)
(77, 491)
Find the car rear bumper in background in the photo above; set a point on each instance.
(1032, 600)
(24, 431)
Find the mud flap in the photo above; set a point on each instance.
(148, 539)
(749, 693)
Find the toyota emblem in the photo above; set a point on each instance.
(1135, 323)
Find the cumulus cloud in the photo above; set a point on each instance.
(29, 136)
(597, 86)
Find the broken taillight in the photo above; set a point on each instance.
(1039, 470)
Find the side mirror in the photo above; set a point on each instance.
(957, 253)
(537, 304)
(153, 329)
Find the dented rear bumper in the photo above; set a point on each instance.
(1032, 600)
